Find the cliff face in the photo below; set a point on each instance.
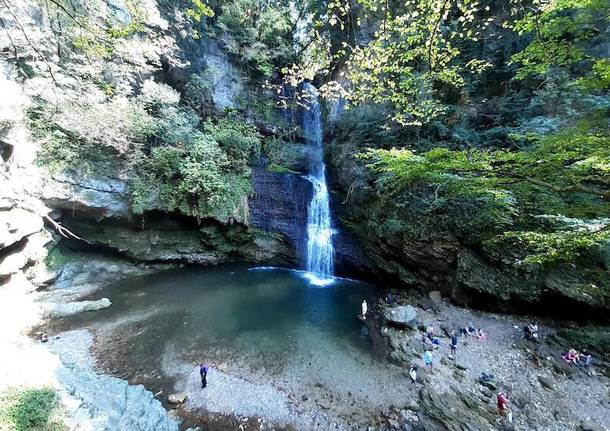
(279, 205)
(430, 251)
(50, 61)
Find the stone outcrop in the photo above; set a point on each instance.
(456, 410)
(29, 250)
(105, 403)
(176, 240)
(16, 224)
(69, 308)
(99, 196)
(401, 315)
(439, 261)
(279, 205)
(564, 286)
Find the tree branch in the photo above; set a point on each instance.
(29, 41)
(574, 188)
(434, 30)
(66, 233)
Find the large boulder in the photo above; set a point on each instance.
(32, 250)
(16, 224)
(401, 315)
(455, 410)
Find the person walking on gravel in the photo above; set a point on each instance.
(502, 402)
(428, 360)
(203, 372)
(454, 341)
(413, 374)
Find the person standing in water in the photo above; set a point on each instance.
(203, 372)
(364, 309)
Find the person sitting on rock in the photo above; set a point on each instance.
(430, 331)
(480, 334)
(203, 372)
(470, 329)
(389, 298)
(571, 356)
(531, 332)
(584, 360)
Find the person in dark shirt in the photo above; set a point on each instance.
(454, 341)
(203, 372)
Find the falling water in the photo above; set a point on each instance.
(319, 226)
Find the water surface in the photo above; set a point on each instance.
(278, 347)
(230, 313)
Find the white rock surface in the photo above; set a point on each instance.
(70, 308)
(16, 224)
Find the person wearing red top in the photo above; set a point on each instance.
(502, 401)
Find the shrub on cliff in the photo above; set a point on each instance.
(258, 33)
(89, 136)
(199, 169)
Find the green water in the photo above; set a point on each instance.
(261, 318)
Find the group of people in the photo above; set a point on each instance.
(530, 332)
(430, 343)
(428, 358)
(471, 331)
(575, 357)
(429, 339)
(572, 356)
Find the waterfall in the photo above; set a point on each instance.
(319, 225)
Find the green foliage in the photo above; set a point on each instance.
(200, 170)
(198, 93)
(412, 63)
(596, 338)
(29, 410)
(237, 139)
(486, 189)
(258, 33)
(553, 247)
(57, 258)
(277, 169)
(199, 10)
(93, 33)
(569, 161)
(599, 79)
(89, 136)
(562, 31)
(284, 152)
